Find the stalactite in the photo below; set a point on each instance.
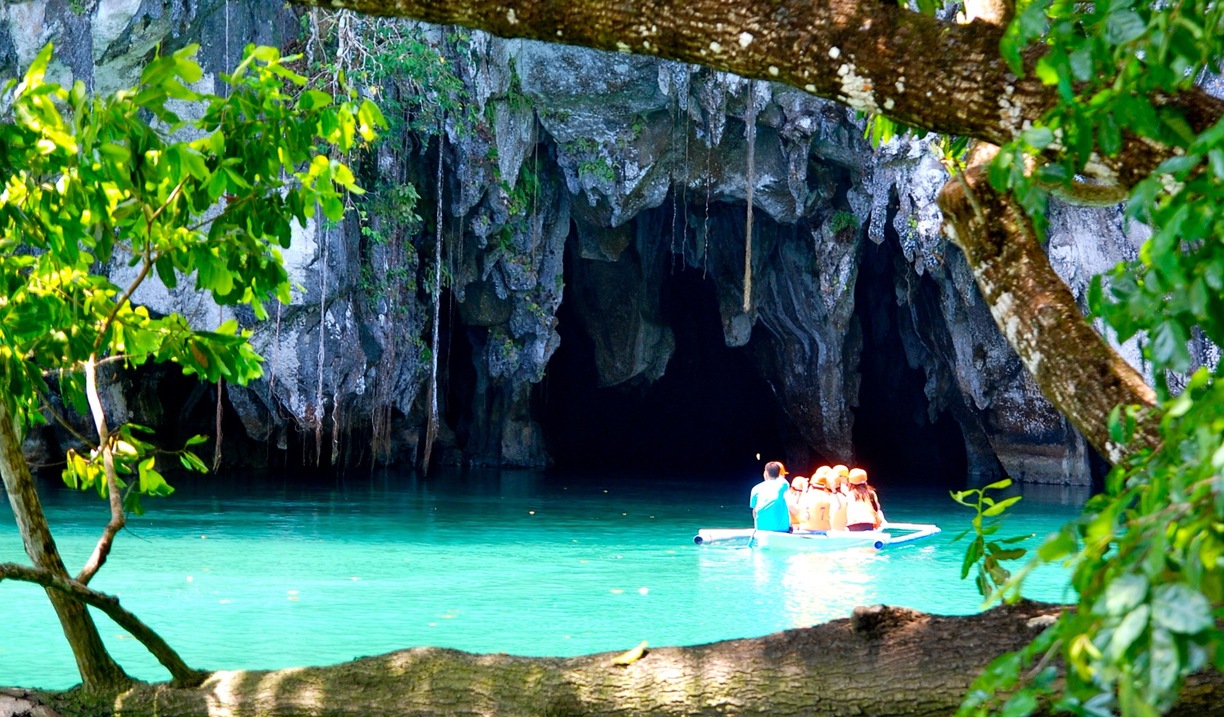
(431, 426)
(750, 114)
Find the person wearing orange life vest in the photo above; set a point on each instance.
(840, 494)
(798, 487)
(815, 506)
(863, 511)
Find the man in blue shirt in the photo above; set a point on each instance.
(768, 499)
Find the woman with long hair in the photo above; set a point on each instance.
(863, 512)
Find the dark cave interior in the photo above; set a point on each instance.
(894, 438)
(709, 414)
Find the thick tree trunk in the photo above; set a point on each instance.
(883, 661)
(98, 671)
(1037, 312)
(873, 56)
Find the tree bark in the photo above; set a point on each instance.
(98, 671)
(873, 56)
(1076, 370)
(883, 661)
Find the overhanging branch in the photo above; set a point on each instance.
(183, 675)
(873, 56)
(1074, 367)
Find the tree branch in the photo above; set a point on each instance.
(117, 519)
(1037, 312)
(183, 675)
(98, 671)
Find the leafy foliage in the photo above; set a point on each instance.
(125, 180)
(403, 63)
(1148, 553)
(986, 554)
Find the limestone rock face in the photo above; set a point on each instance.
(588, 177)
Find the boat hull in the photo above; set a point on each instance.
(892, 534)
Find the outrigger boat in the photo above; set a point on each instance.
(891, 534)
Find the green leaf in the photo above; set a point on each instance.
(37, 70)
(1029, 24)
(998, 485)
(1169, 345)
(962, 496)
(165, 272)
(263, 53)
(1215, 158)
(1012, 554)
(1132, 626)
(1047, 71)
(192, 462)
(1165, 664)
(1181, 609)
(1082, 66)
(1179, 165)
(1021, 704)
(1057, 546)
(1001, 506)
(973, 553)
(1124, 26)
(1123, 594)
(1109, 135)
(1038, 137)
(314, 99)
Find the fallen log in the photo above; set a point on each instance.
(882, 661)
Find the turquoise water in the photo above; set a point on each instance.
(264, 574)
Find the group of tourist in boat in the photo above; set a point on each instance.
(833, 498)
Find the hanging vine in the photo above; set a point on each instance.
(431, 425)
(316, 417)
(409, 69)
(750, 114)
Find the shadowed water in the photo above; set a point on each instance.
(273, 572)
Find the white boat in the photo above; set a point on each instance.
(891, 534)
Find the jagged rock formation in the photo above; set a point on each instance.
(590, 179)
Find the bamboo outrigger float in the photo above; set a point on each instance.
(889, 535)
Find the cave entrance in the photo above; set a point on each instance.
(709, 414)
(895, 439)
